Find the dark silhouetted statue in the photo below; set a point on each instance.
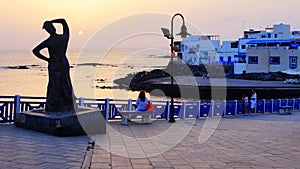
(59, 90)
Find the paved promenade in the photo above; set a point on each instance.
(25, 149)
(258, 141)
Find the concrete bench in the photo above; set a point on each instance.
(285, 109)
(146, 116)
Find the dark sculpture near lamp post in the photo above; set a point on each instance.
(60, 118)
(59, 90)
(169, 35)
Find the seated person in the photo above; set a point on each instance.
(141, 102)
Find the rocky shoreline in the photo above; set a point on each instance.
(145, 80)
(141, 80)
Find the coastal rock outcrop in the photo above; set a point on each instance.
(140, 80)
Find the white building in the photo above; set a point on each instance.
(227, 52)
(270, 50)
(206, 49)
(251, 44)
(265, 56)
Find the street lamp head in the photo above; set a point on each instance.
(166, 32)
(183, 33)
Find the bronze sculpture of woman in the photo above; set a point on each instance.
(59, 89)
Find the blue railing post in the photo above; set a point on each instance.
(184, 108)
(168, 110)
(129, 104)
(272, 105)
(212, 107)
(264, 100)
(17, 102)
(279, 102)
(294, 103)
(81, 101)
(224, 109)
(236, 107)
(107, 108)
(199, 108)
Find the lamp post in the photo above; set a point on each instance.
(167, 34)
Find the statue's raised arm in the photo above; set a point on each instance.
(62, 21)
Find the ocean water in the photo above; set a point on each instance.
(89, 68)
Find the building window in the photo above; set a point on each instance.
(293, 62)
(182, 47)
(234, 44)
(243, 46)
(275, 60)
(186, 48)
(269, 35)
(253, 60)
(176, 46)
(229, 59)
(221, 59)
(179, 55)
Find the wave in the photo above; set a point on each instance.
(96, 64)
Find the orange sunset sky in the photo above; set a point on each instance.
(21, 20)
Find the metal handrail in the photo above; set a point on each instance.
(9, 105)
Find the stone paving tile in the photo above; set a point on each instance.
(140, 161)
(256, 141)
(96, 165)
(21, 148)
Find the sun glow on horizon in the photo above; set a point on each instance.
(80, 33)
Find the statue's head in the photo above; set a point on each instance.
(49, 27)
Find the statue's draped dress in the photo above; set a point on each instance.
(59, 90)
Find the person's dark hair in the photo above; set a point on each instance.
(142, 96)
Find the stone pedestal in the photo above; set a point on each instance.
(84, 122)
